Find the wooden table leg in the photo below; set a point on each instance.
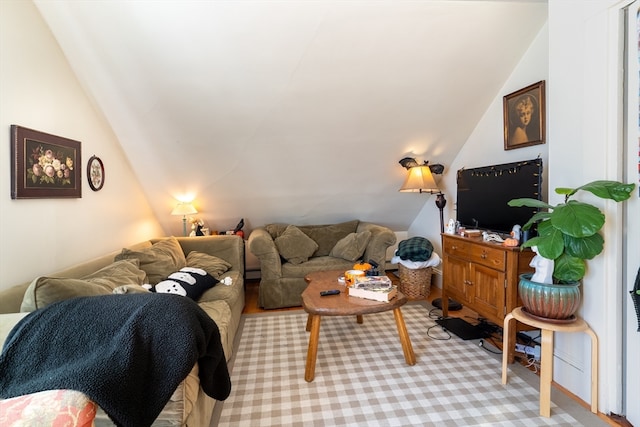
(407, 348)
(312, 352)
(507, 345)
(359, 319)
(308, 328)
(594, 370)
(546, 372)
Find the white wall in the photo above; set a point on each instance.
(632, 336)
(586, 144)
(39, 91)
(485, 145)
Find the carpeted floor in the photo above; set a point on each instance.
(363, 380)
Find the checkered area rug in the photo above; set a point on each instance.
(362, 378)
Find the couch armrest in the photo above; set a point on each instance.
(229, 248)
(11, 298)
(261, 244)
(381, 239)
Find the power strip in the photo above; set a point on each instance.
(528, 350)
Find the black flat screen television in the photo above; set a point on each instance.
(483, 193)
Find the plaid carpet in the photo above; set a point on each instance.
(362, 378)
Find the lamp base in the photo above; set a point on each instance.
(453, 304)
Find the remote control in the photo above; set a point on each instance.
(331, 292)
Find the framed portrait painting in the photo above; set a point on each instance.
(44, 165)
(524, 117)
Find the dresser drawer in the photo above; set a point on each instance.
(490, 257)
(457, 248)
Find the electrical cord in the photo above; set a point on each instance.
(436, 315)
(481, 344)
(448, 337)
(533, 363)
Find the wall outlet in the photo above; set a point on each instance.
(528, 350)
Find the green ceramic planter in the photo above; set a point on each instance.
(555, 302)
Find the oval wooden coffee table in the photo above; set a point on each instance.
(344, 305)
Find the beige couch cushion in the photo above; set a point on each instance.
(227, 293)
(7, 322)
(47, 290)
(352, 246)
(295, 246)
(220, 312)
(211, 264)
(158, 261)
(326, 236)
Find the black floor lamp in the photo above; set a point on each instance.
(420, 180)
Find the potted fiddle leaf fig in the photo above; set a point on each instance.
(567, 234)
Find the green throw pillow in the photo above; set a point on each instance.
(295, 246)
(47, 290)
(326, 236)
(159, 261)
(211, 264)
(351, 247)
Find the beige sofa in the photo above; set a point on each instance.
(287, 253)
(221, 256)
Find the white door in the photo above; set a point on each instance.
(631, 336)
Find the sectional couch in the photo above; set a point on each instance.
(148, 262)
(288, 252)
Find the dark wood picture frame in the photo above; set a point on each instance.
(44, 165)
(95, 173)
(524, 117)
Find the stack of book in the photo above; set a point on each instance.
(377, 288)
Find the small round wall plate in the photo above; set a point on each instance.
(95, 173)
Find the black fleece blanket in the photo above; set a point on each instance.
(128, 353)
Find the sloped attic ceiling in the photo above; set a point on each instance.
(290, 110)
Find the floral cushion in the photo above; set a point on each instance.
(56, 408)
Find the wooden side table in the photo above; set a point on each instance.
(546, 358)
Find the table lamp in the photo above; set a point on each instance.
(184, 209)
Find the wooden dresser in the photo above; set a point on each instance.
(482, 275)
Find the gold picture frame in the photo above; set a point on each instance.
(524, 117)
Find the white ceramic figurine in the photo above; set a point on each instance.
(543, 266)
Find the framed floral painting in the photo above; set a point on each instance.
(44, 165)
(95, 173)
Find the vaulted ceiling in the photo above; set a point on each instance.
(290, 110)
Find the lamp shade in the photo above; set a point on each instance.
(420, 180)
(184, 209)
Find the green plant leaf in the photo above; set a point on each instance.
(538, 216)
(583, 247)
(549, 240)
(577, 219)
(531, 203)
(569, 269)
(563, 190)
(613, 190)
